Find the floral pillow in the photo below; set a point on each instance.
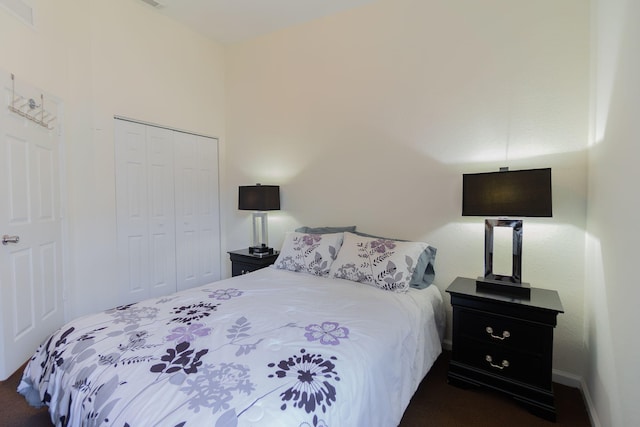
(387, 264)
(309, 253)
(425, 272)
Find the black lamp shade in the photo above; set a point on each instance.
(522, 193)
(259, 198)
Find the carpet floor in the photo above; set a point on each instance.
(435, 404)
(439, 404)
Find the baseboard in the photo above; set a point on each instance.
(566, 378)
(446, 344)
(576, 381)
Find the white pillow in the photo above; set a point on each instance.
(309, 253)
(387, 264)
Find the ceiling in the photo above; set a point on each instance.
(231, 21)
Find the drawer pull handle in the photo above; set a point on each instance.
(505, 334)
(504, 364)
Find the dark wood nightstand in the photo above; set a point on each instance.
(243, 262)
(505, 343)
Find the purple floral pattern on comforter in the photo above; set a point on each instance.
(177, 359)
(216, 355)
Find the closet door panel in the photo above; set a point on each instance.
(131, 210)
(197, 208)
(145, 210)
(186, 184)
(209, 210)
(161, 218)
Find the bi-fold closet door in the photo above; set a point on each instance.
(167, 206)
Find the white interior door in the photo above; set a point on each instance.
(31, 269)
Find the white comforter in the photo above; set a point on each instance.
(271, 348)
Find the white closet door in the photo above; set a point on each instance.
(197, 210)
(145, 210)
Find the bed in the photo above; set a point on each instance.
(295, 344)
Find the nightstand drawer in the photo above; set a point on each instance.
(503, 362)
(239, 268)
(504, 331)
(243, 261)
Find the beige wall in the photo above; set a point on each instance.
(371, 116)
(368, 117)
(613, 293)
(102, 59)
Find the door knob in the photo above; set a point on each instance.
(6, 239)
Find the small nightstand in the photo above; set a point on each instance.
(243, 262)
(505, 343)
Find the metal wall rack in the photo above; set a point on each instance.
(29, 108)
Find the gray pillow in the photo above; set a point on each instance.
(325, 230)
(425, 273)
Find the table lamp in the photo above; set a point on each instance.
(259, 199)
(521, 193)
